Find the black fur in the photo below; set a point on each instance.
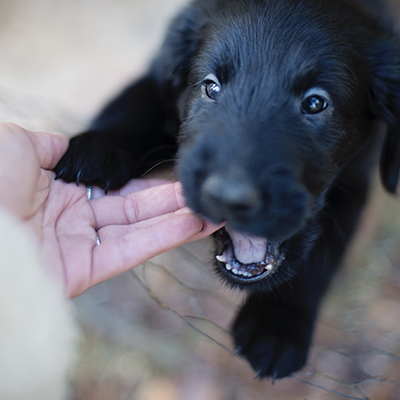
(303, 178)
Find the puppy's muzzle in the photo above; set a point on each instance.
(259, 219)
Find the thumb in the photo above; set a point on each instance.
(50, 147)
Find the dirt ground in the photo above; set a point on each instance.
(160, 332)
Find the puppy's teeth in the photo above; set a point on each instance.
(268, 267)
(221, 258)
(228, 267)
(235, 271)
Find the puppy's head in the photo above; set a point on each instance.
(273, 102)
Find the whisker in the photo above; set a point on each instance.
(336, 224)
(169, 147)
(155, 166)
(341, 185)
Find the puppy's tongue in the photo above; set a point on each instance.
(248, 249)
(245, 258)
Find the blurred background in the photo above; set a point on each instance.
(161, 331)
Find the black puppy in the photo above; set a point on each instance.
(273, 104)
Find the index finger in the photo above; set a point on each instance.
(118, 253)
(138, 206)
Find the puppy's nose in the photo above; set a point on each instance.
(229, 196)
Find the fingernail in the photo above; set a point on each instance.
(184, 210)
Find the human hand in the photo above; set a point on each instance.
(132, 227)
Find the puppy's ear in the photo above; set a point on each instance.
(384, 61)
(173, 63)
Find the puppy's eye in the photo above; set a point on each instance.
(212, 89)
(313, 104)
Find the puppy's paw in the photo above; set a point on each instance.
(91, 158)
(273, 339)
(271, 355)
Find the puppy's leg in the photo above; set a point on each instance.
(274, 329)
(130, 135)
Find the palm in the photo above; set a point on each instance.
(68, 235)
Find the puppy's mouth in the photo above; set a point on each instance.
(246, 259)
